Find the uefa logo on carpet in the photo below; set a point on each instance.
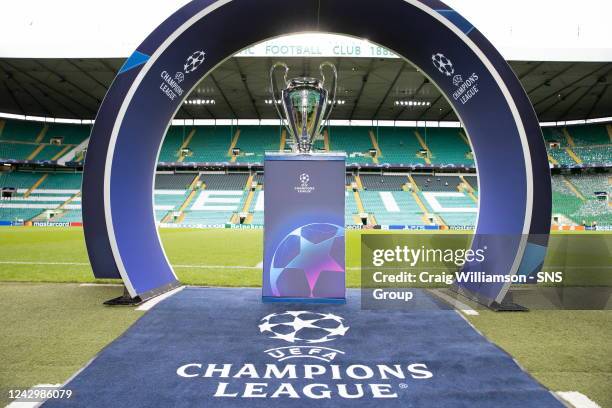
(303, 327)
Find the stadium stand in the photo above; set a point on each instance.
(574, 201)
(351, 212)
(255, 140)
(32, 141)
(259, 178)
(225, 182)
(437, 183)
(446, 146)
(585, 135)
(41, 196)
(170, 151)
(601, 155)
(256, 208)
(592, 209)
(22, 131)
(579, 144)
(211, 144)
(383, 183)
(457, 208)
(558, 154)
(70, 134)
(349, 179)
(355, 141)
(472, 181)
(166, 181)
(16, 151)
(398, 145)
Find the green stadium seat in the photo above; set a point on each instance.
(355, 141)
(398, 145)
(22, 131)
(446, 146)
(254, 141)
(211, 144)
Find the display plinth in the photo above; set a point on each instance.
(304, 249)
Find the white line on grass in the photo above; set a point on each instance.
(577, 399)
(455, 303)
(258, 266)
(41, 263)
(148, 305)
(216, 266)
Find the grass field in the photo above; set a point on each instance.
(51, 329)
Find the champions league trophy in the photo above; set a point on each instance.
(304, 257)
(306, 104)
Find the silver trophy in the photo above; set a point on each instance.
(306, 104)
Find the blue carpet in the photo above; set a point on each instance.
(426, 357)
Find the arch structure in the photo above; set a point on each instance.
(514, 177)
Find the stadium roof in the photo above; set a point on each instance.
(371, 88)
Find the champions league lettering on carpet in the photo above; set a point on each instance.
(323, 381)
(254, 355)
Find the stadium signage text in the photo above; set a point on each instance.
(465, 89)
(326, 45)
(169, 86)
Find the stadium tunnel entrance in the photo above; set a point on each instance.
(120, 230)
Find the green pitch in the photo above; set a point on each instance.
(209, 257)
(51, 330)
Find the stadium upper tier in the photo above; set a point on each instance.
(217, 198)
(580, 145)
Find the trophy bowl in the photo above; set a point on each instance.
(306, 105)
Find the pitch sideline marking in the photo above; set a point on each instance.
(577, 399)
(460, 306)
(149, 304)
(258, 266)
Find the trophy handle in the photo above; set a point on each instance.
(332, 89)
(276, 94)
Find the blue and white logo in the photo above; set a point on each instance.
(194, 61)
(443, 64)
(302, 326)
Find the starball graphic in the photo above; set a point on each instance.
(304, 331)
(303, 326)
(194, 61)
(443, 64)
(303, 256)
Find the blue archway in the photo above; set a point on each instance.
(515, 190)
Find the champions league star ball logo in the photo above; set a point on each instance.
(305, 255)
(303, 187)
(304, 179)
(457, 80)
(194, 61)
(303, 326)
(443, 64)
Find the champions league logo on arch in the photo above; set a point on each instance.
(466, 88)
(296, 380)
